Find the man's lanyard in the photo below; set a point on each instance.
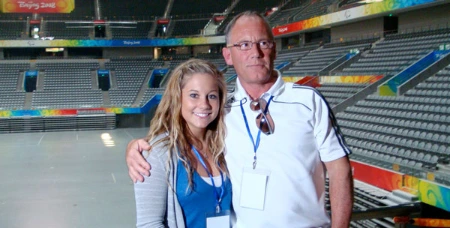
(222, 188)
(258, 137)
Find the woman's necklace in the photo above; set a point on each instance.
(204, 154)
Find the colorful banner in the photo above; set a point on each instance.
(434, 194)
(64, 112)
(390, 88)
(381, 178)
(315, 81)
(428, 192)
(292, 79)
(348, 15)
(354, 79)
(312, 81)
(421, 222)
(71, 112)
(37, 6)
(431, 222)
(115, 43)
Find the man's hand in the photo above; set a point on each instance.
(137, 165)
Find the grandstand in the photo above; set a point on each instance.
(102, 68)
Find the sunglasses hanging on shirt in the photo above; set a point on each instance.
(263, 121)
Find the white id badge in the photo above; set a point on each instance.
(218, 220)
(253, 191)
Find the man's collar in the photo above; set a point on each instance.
(276, 89)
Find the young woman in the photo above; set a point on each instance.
(188, 186)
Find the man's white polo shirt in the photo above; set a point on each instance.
(305, 134)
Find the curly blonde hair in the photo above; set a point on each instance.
(168, 119)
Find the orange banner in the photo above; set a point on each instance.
(351, 79)
(423, 222)
(312, 81)
(382, 178)
(291, 79)
(37, 6)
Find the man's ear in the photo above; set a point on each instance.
(227, 56)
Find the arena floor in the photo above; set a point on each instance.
(66, 179)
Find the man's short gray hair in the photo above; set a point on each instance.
(248, 13)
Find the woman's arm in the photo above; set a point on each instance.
(151, 195)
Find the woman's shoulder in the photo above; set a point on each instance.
(160, 146)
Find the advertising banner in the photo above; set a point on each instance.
(293, 79)
(37, 6)
(163, 21)
(114, 43)
(354, 79)
(358, 12)
(382, 178)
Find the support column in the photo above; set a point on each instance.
(35, 16)
(66, 53)
(98, 12)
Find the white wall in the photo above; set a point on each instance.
(183, 50)
(433, 16)
(361, 29)
(201, 49)
(422, 18)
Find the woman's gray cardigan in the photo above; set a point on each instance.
(156, 202)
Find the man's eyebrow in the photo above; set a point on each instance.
(242, 41)
(259, 40)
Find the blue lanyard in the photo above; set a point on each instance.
(222, 188)
(258, 137)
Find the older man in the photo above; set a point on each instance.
(280, 137)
